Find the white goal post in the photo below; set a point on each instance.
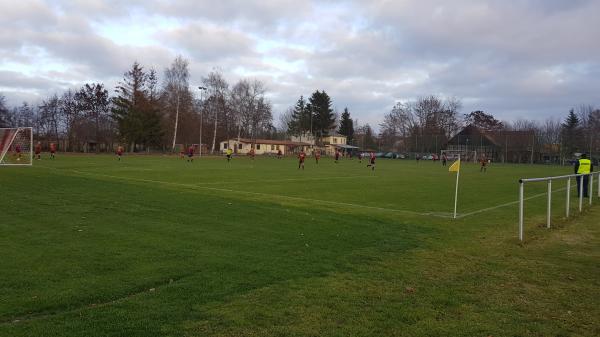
(16, 146)
(549, 180)
(466, 156)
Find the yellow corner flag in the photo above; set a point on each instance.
(455, 167)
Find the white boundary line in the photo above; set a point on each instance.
(251, 193)
(507, 204)
(275, 196)
(283, 180)
(255, 193)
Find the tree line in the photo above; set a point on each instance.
(145, 113)
(426, 124)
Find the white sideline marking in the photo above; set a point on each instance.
(200, 186)
(282, 180)
(253, 193)
(507, 204)
(271, 195)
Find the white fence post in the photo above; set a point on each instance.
(521, 201)
(591, 194)
(549, 203)
(580, 192)
(579, 178)
(568, 196)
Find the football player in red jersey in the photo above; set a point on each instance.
(301, 157)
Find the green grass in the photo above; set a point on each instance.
(156, 246)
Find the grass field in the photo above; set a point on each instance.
(156, 246)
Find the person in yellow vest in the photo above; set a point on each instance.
(583, 166)
(229, 152)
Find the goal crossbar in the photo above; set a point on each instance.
(549, 181)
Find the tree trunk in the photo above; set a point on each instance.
(97, 133)
(215, 131)
(176, 122)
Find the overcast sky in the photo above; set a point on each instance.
(515, 59)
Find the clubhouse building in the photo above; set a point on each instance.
(329, 145)
(263, 146)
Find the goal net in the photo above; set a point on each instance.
(465, 156)
(16, 146)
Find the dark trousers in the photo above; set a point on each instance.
(586, 182)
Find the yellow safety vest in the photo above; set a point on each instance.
(584, 166)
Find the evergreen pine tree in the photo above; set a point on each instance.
(572, 121)
(570, 132)
(300, 122)
(135, 108)
(322, 113)
(346, 125)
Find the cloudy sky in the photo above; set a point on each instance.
(515, 59)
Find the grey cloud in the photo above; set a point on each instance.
(16, 80)
(248, 13)
(209, 42)
(527, 58)
(515, 31)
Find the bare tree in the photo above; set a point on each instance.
(239, 102)
(50, 116)
(5, 115)
(93, 101)
(217, 91)
(176, 86)
(284, 120)
(550, 131)
(69, 115)
(523, 125)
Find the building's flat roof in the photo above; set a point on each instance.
(344, 146)
(268, 142)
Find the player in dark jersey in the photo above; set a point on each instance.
(52, 150)
(372, 162)
(38, 151)
(317, 156)
(337, 156)
(301, 157)
(190, 154)
(483, 161)
(18, 152)
(119, 152)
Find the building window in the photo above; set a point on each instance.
(239, 146)
(272, 147)
(224, 146)
(334, 140)
(258, 146)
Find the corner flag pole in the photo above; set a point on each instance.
(456, 168)
(456, 193)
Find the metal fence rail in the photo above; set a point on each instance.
(568, 196)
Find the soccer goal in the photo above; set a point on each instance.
(588, 179)
(465, 156)
(16, 146)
